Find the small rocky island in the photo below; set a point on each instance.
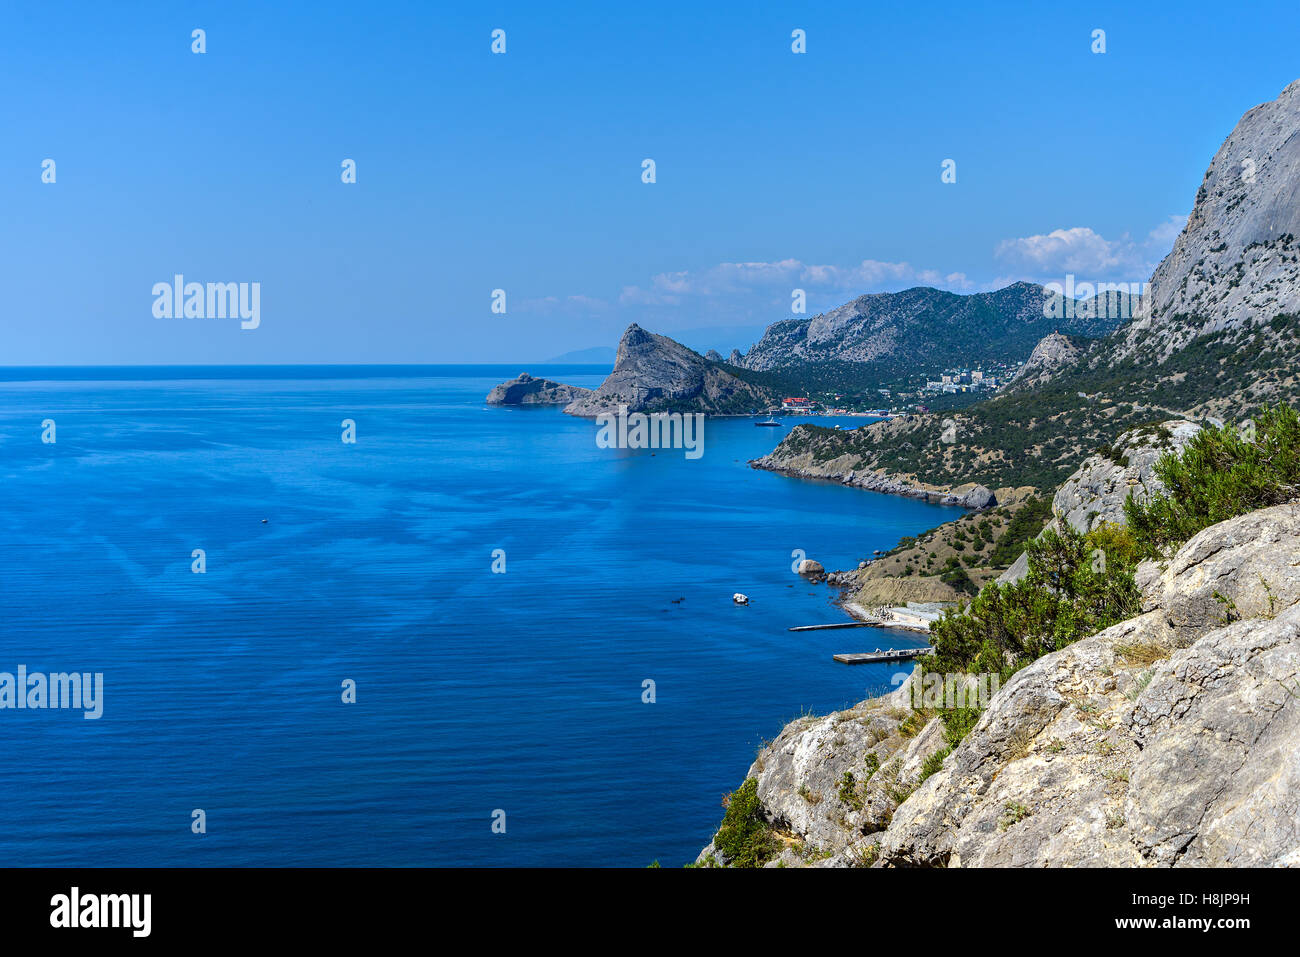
(525, 390)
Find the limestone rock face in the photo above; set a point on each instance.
(1171, 739)
(1095, 493)
(977, 497)
(1031, 784)
(1122, 750)
(525, 390)
(1236, 260)
(1052, 353)
(1085, 759)
(653, 372)
(828, 784)
(1248, 567)
(1218, 779)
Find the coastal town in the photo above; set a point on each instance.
(949, 388)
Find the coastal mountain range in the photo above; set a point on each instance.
(922, 328)
(1219, 339)
(1216, 335)
(873, 341)
(1167, 736)
(1163, 735)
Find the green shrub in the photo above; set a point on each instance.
(1221, 473)
(933, 763)
(873, 765)
(744, 838)
(957, 723)
(848, 792)
(1024, 525)
(1063, 597)
(957, 577)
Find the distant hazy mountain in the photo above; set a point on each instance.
(596, 355)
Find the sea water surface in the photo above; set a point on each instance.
(476, 692)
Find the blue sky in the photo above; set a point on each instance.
(522, 171)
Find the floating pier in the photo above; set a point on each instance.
(877, 656)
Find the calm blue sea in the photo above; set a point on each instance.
(476, 691)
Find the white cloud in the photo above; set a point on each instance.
(1082, 251)
(732, 279)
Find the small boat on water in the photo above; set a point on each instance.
(770, 423)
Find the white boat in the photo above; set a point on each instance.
(740, 599)
(771, 422)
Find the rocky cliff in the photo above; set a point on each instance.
(1052, 353)
(526, 390)
(1237, 262)
(1095, 493)
(653, 373)
(1169, 739)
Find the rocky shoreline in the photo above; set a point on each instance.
(965, 496)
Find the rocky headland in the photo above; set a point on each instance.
(654, 373)
(526, 390)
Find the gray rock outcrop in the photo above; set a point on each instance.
(526, 390)
(1095, 493)
(1052, 353)
(653, 372)
(1237, 261)
(831, 784)
(1171, 739)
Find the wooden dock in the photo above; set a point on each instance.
(838, 624)
(878, 656)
